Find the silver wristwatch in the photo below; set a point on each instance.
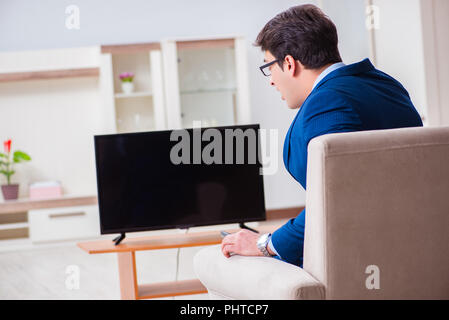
(262, 244)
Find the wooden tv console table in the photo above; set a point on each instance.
(126, 251)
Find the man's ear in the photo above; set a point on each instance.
(291, 66)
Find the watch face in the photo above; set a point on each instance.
(262, 240)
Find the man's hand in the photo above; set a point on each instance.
(243, 243)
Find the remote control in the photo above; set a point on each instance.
(224, 233)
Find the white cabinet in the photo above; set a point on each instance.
(63, 223)
(76, 93)
(176, 82)
(206, 80)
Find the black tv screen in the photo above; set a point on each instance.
(179, 178)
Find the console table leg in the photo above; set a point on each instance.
(127, 275)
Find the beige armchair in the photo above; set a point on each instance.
(377, 224)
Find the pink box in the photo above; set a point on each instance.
(45, 192)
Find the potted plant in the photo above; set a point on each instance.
(127, 82)
(10, 191)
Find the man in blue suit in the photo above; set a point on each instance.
(304, 64)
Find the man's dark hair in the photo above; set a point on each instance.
(305, 33)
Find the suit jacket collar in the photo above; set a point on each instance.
(349, 70)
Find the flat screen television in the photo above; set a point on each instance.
(179, 178)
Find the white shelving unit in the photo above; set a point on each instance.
(206, 80)
(75, 93)
(143, 109)
(176, 82)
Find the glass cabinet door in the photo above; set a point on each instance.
(207, 86)
(206, 80)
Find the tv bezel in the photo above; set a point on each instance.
(177, 226)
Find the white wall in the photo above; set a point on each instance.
(412, 45)
(435, 24)
(399, 50)
(441, 20)
(349, 18)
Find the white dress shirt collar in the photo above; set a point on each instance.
(326, 71)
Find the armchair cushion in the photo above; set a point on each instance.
(259, 278)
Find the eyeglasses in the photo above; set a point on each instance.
(265, 68)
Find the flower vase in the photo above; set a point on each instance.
(127, 87)
(10, 191)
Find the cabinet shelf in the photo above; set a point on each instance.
(170, 289)
(49, 74)
(25, 204)
(218, 90)
(9, 226)
(133, 95)
(130, 48)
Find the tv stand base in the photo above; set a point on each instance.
(119, 239)
(243, 226)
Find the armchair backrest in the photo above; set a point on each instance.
(377, 214)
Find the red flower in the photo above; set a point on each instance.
(7, 145)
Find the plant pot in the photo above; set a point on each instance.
(10, 191)
(127, 87)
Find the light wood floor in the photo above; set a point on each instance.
(40, 272)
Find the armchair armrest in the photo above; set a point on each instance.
(253, 278)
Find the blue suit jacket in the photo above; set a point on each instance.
(355, 97)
